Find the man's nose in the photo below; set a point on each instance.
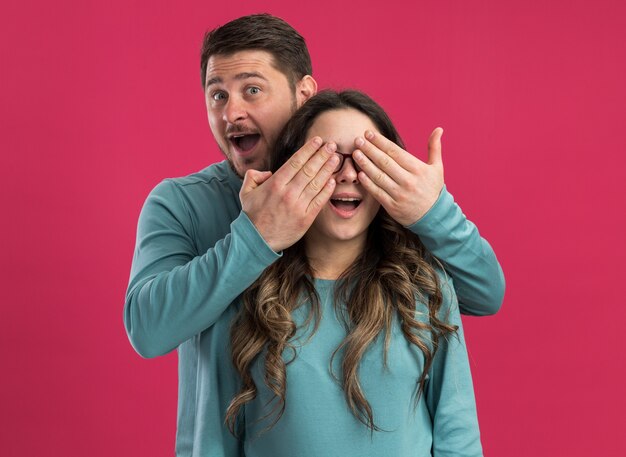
(235, 110)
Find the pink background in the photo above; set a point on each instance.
(99, 101)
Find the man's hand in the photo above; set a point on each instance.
(283, 206)
(404, 185)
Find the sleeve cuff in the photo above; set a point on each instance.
(441, 211)
(244, 229)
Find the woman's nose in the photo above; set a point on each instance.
(347, 173)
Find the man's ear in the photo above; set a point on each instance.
(305, 89)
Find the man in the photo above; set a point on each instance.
(198, 248)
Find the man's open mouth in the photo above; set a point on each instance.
(245, 142)
(345, 203)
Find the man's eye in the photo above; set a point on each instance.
(218, 96)
(253, 90)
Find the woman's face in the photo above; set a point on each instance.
(351, 209)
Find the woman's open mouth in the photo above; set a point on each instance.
(345, 205)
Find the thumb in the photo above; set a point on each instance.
(253, 179)
(434, 146)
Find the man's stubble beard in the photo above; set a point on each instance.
(265, 165)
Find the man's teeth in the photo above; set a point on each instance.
(347, 199)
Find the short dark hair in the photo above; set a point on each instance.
(294, 133)
(259, 32)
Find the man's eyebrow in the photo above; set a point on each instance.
(214, 80)
(238, 76)
(247, 75)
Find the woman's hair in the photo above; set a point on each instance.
(393, 272)
(293, 135)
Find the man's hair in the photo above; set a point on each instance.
(261, 32)
(388, 278)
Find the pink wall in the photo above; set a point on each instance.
(101, 100)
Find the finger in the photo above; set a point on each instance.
(380, 158)
(253, 179)
(316, 185)
(324, 160)
(434, 147)
(298, 160)
(376, 191)
(318, 202)
(375, 174)
(399, 156)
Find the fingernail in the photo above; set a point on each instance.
(359, 142)
(357, 155)
(317, 141)
(369, 134)
(331, 147)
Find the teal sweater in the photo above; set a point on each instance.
(317, 420)
(196, 252)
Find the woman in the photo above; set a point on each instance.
(351, 343)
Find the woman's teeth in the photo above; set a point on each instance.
(345, 203)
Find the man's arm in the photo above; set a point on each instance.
(413, 194)
(174, 293)
(467, 257)
(449, 393)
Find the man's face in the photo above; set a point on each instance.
(248, 103)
